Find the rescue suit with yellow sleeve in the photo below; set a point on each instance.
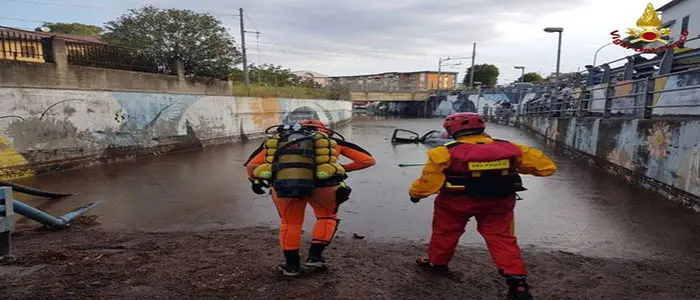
(300, 165)
(478, 176)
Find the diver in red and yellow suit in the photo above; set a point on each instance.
(477, 176)
(324, 200)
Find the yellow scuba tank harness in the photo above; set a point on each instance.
(298, 158)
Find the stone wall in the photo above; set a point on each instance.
(50, 75)
(45, 130)
(659, 155)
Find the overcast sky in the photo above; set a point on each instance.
(372, 36)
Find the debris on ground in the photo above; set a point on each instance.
(239, 264)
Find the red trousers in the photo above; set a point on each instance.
(494, 218)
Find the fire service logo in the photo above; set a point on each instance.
(648, 31)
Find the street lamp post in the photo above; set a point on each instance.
(595, 56)
(522, 80)
(522, 76)
(442, 60)
(558, 30)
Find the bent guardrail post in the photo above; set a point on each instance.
(48, 220)
(5, 222)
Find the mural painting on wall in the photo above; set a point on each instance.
(628, 106)
(659, 140)
(688, 175)
(468, 103)
(624, 142)
(689, 98)
(453, 104)
(597, 103)
(36, 123)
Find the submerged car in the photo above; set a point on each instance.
(431, 138)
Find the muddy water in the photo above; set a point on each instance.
(580, 209)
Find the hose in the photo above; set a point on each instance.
(34, 192)
(411, 164)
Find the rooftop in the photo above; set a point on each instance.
(69, 37)
(396, 73)
(315, 74)
(669, 5)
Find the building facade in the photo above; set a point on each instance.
(680, 15)
(398, 81)
(318, 78)
(30, 46)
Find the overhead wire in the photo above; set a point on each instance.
(294, 49)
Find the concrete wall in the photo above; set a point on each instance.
(50, 75)
(44, 130)
(660, 155)
(387, 96)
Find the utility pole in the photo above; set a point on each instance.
(439, 73)
(471, 77)
(246, 80)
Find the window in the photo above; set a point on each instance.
(29, 51)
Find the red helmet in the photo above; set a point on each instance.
(316, 123)
(469, 122)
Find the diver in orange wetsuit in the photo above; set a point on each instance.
(324, 199)
(478, 176)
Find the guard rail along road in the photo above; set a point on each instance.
(639, 119)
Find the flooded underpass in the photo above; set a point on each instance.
(189, 224)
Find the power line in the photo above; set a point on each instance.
(21, 20)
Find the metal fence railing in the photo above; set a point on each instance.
(676, 94)
(113, 57)
(661, 86)
(20, 46)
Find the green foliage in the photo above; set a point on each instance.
(532, 77)
(269, 80)
(199, 40)
(72, 28)
(271, 75)
(487, 74)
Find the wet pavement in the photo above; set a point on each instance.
(579, 209)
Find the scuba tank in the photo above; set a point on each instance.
(297, 158)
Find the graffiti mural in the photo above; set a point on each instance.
(667, 151)
(678, 93)
(41, 126)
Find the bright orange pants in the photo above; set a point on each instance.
(291, 211)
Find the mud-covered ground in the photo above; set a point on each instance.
(88, 263)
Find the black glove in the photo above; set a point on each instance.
(342, 194)
(415, 200)
(258, 185)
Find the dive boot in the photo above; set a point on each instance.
(315, 259)
(290, 267)
(518, 289)
(424, 263)
(315, 262)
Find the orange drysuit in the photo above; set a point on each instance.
(323, 200)
(494, 216)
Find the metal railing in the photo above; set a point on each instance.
(665, 85)
(20, 46)
(638, 98)
(113, 57)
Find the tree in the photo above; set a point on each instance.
(531, 77)
(271, 75)
(487, 74)
(199, 40)
(72, 28)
